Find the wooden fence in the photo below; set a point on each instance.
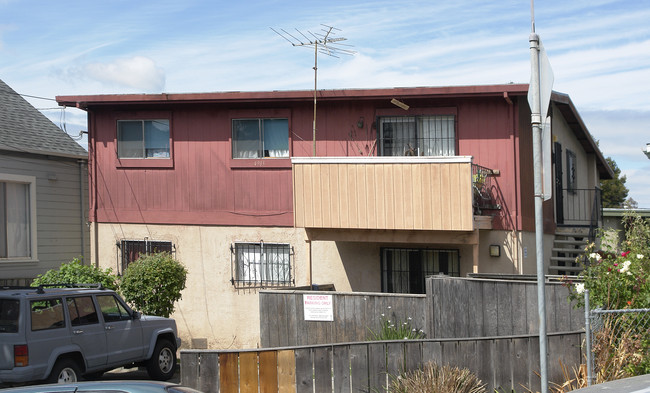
(452, 308)
(468, 307)
(355, 314)
(502, 363)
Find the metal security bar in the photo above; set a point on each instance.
(261, 265)
(131, 250)
(417, 136)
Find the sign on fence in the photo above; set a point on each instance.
(318, 307)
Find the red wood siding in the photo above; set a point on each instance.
(206, 186)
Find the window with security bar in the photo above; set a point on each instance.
(132, 250)
(417, 136)
(262, 265)
(404, 270)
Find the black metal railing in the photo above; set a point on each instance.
(580, 208)
(483, 185)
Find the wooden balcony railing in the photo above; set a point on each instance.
(387, 193)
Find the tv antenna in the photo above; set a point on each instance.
(323, 42)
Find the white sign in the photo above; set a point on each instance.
(318, 307)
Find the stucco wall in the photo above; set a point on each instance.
(518, 252)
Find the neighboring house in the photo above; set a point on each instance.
(43, 193)
(442, 184)
(613, 224)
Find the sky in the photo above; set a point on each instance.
(599, 51)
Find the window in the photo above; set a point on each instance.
(47, 314)
(143, 138)
(571, 179)
(112, 310)
(417, 136)
(404, 270)
(261, 265)
(9, 312)
(259, 138)
(82, 311)
(17, 219)
(131, 250)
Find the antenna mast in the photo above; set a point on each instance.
(323, 42)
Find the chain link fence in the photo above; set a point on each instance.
(618, 343)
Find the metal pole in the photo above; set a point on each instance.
(590, 374)
(315, 87)
(536, 122)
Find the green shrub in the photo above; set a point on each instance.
(76, 272)
(153, 283)
(433, 378)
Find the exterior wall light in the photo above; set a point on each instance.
(495, 250)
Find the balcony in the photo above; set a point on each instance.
(384, 193)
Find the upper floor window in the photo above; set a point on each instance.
(16, 218)
(417, 136)
(259, 138)
(143, 138)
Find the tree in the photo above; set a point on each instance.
(76, 272)
(614, 191)
(153, 283)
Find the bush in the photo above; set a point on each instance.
(618, 278)
(76, 272)
(434, 378)
(153, 283)
(395, 329)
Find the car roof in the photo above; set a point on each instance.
(100, 386)
(8, 291)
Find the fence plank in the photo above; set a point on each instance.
(504, 309)
(341, 368)
(228, 376)
(474, 303)
(519, 310)
(359, 371)
(521, 376)
(268, 371)
(323, 369)
(304, 371)
(412, 355)
(377, 366)
(209, 372)
(287, 371)
(248, 372)
(490, 315)
(190, 369)
(394, 360)
(505, 365)
(487, 363)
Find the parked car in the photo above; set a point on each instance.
(105, 386)
(61, 334)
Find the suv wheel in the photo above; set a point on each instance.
(64, 371)
(162, 364)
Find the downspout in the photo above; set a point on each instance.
(517, 256)
(81, 210)
(92, 188)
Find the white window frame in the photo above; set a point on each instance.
(31, 182)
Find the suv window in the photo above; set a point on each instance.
(82, 311)
(9, 315)
(47, 314)
(112, 309)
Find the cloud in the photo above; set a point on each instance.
(138, 72)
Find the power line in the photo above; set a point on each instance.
(37, 97)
